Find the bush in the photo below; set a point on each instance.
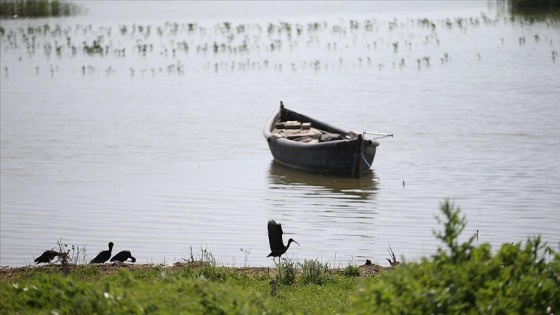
(312, 271)
(286, 272)
(351, 271)
(467, 279)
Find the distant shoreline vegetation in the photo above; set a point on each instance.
(531, 10)
(542, 4)
(38, 8)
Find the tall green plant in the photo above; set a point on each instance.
(453, 225)
(466, 279)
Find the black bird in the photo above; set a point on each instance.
(123, 256)
(103, 256)
(275, 239)
(46, 257)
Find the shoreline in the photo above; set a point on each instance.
(12, 273)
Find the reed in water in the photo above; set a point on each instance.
(38, 8)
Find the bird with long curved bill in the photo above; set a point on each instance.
(123, 256)
(46, 257)
(277, 247)
(103, 256)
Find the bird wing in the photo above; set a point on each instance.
(117, 257)
(275, 235)
(122, 256)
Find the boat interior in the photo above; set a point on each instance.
(305, 132)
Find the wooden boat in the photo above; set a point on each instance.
(305, 143)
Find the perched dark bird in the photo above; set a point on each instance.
(123, 256)
(103, 256)
(275, 239)
(46, 257)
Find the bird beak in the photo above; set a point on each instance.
(296, 242)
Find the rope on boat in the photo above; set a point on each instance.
(381, 135)
(364, 158)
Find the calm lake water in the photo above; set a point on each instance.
(141, 124)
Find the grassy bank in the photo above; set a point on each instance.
(459, 278)
(193, 288)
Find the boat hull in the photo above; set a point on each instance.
(350, 156)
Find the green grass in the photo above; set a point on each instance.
(200, 290)
(460, 278)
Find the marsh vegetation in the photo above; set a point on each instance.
(176, 48)
(38, 8)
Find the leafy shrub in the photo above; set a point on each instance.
(351, 271)
(286, 272)
(467, 279)
(312, 271)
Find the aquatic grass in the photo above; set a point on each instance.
(241, 46)
(39, 8)
(227, 47)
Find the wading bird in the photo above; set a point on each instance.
(123, 256)
(46, 257)
(275, 239)
(103, 256)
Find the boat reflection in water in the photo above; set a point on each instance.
(283, 177)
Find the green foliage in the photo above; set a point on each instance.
(453, 226)
(124, 294)
(212, 273)
(331, 298)
(286, 272)
(464, 279)
(313, 272)
(351, 271)
(163, 290)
